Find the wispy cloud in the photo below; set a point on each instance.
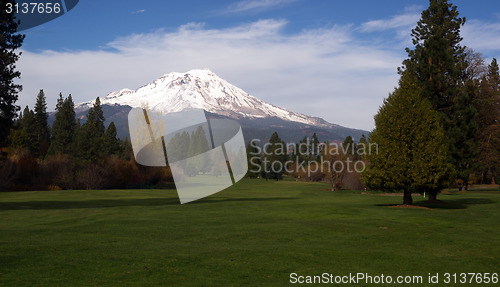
(399, 21)
(256, 5)
(482, 36)
(139, 11)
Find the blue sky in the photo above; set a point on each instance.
(332, 59)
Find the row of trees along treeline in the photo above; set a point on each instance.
(338, 163)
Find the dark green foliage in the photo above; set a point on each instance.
(23, 135)
(302, 150)
(90, 139)
(315, 146)
(438, 63)
(362, 147)
(488, 104)
(412, 152)
(64, 127)
(437, 59)
(126, 152)
(95, 119)
(41, 125)
(349, 146)
(9, 43)
(111, 143)
(275, 157)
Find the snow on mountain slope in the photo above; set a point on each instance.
(201, 89)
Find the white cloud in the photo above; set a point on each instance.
(321, 72)
(256, 5)
(482, 36)
(139, 11)
(399, 21)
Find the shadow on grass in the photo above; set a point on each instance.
(461, 203)
(219, 200)
(103, 203)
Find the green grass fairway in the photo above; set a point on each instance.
(253, 234)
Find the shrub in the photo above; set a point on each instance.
(7, 174)
(59, 170)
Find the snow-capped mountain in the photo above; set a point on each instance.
(201, 89)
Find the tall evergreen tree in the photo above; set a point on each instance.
(275, 156)
(362, 147)
(111, 143)
(412, 152)
(488, 103)
(64, 127)
(10, 41)
(90, 143)
(439, 65)
(23, 135)
(41, 124)
(315, 153)
(349, 146)
(302, 150)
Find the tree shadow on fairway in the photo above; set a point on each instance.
(97, 203)
(461, 203)
(236, 199)
(103, 203)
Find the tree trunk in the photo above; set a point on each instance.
(493, 180)
(407, 199)
(432, 196)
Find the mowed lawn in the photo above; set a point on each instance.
(253, 234)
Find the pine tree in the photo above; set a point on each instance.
(275, 157)
(438, 63)
(111, 144)
(362, 147)
(126, 152)
(90, 142)
(23, 134)
(64, 127)
(315, 153)
(412, 151)
(488, 103)
(41, 124)
(349, 146)
(10, 41)
(301, 151)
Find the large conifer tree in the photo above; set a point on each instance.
(10, 41)
(90, 140)
(41, 124)
(275, 156)
(64, 127)
(440, 70)
(412, 152)
(488, 103)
